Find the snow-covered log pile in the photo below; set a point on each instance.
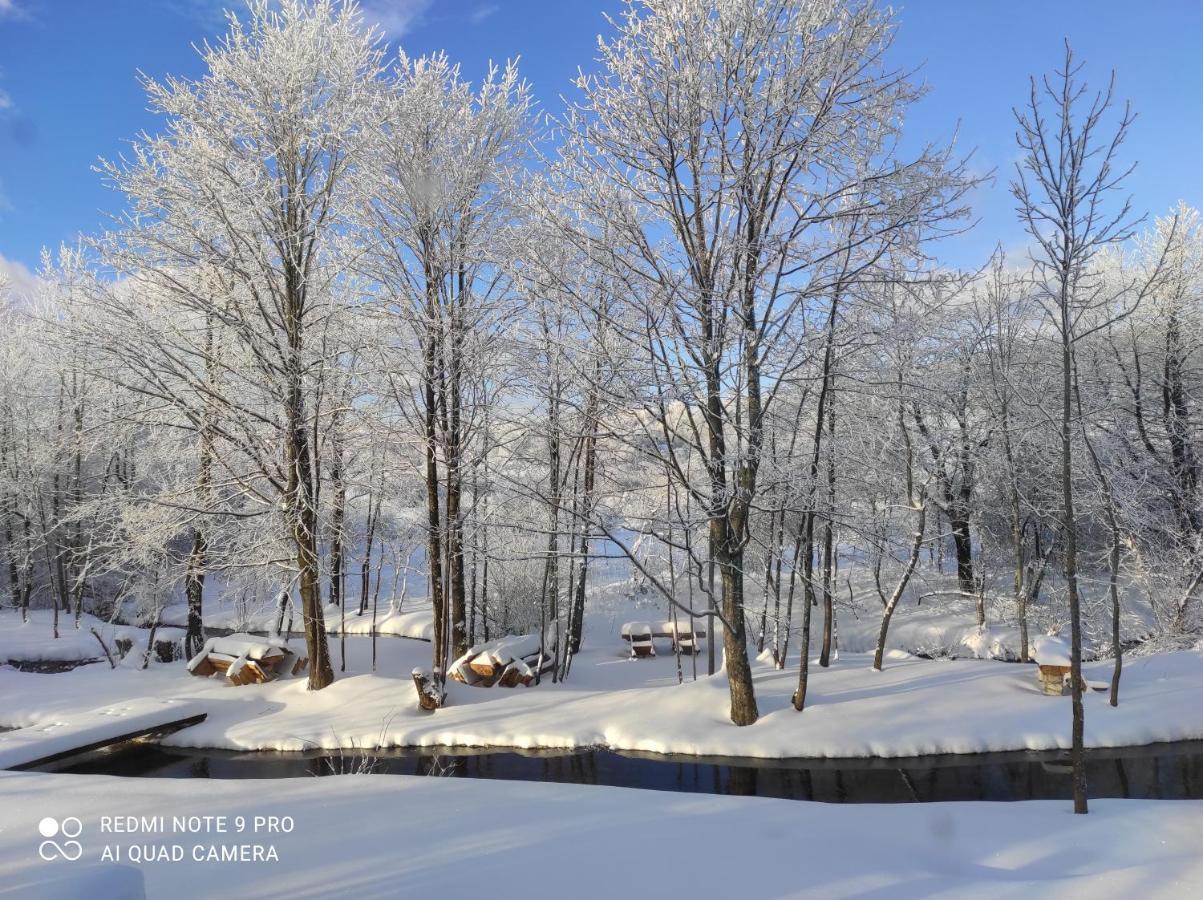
(246, 658)
(1051, 651)
(507, 661)
(1052, 655)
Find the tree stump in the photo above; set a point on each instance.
(430, 697)
(167, 650)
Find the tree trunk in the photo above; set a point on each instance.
(900, 587)
(828, 546)
(1069, 527)
(299, 497)
(434, 543)
(735, 641)
(194, 589)
(590, 464)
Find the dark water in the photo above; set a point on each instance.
(1160, 771)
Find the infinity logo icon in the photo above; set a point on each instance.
(69, 850)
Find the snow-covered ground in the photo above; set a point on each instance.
(413, 620)
(915, 706)
(392, 836)
(34, 641)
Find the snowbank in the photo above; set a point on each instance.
(34, 641)
(414, 620)
(914, 707)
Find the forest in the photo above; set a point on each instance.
(367, 333)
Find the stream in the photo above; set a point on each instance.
(1170, 771)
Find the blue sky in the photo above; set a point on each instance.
(69, 92)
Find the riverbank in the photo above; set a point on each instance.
(915, 707)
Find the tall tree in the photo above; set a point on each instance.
(249, 180)
(1065, 179)
(722, 146)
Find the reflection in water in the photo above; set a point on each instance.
(1162, 771)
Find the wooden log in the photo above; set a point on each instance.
(483, 666)
(486, 670)
(250, 673)
(204, 668)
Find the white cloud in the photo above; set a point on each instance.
(6, 102)
(10, 10)
(482, 12)
(22, 283)
(394, 17)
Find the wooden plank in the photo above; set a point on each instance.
(82, 732)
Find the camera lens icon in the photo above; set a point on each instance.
(70, 827)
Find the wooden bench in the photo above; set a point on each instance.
(639, 636)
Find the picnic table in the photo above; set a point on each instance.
(642, 635)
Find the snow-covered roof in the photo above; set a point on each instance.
(1051, 651)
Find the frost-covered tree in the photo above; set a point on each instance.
(233, 211)
(723, 145)
(440, 202)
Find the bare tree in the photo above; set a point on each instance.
(1064, 183)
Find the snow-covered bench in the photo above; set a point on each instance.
(683, 637)
(247, 659)
(669, 629)
(639, 636)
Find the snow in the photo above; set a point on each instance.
(75, 730)
(34, 641)
(913, 707)
(240, 648)
(112, 881)
(1049, 650)
(414, 620)
(588, 842)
